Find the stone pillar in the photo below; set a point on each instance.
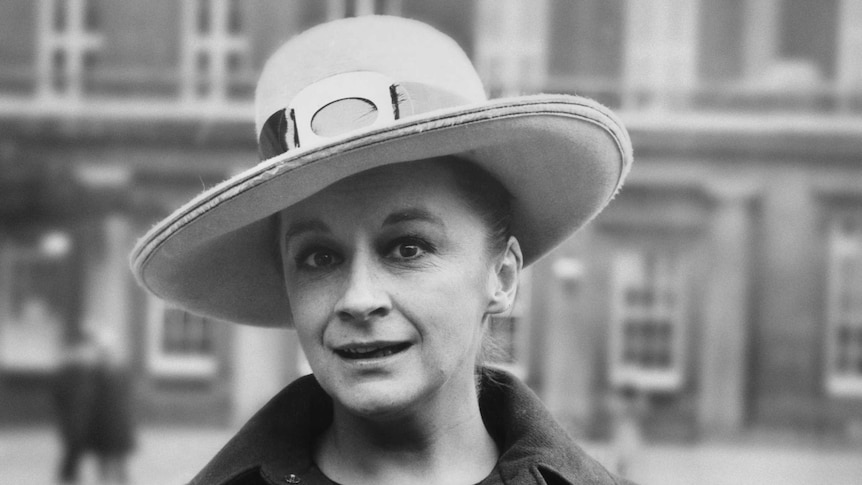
(569, 352)
(788, 371)
(106, 304)
(725, 322)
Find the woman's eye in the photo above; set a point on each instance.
(409, 249)
(320, 258)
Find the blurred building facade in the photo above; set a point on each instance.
(724, 283)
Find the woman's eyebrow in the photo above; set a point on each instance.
(410, 215)
(302, 226)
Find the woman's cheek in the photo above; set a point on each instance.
(308, 305)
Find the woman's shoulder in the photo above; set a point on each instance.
(534, 446)
(276, 441)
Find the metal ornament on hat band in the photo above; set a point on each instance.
(291, 128)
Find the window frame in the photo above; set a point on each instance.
(74, 43)
(661, 53)
(622, 374)
(164, 364)
(842, 384)
(207, 54)
(338, 9)
(511, 45)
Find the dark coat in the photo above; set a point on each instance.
(113, 428)
(275, 446)
(94, 407)
(75, 387)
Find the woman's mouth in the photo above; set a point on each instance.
(371, 351)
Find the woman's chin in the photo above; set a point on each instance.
(378, 400)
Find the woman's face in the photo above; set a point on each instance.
(389, 277)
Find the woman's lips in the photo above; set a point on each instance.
(371, 351)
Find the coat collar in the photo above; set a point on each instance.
(278, 440)
(535, 449)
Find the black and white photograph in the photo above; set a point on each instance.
(401, 242)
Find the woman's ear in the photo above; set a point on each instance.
(504, 281)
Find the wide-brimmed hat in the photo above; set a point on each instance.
(562, 158)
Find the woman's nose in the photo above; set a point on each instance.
(363, 296)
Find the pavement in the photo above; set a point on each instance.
(172, 455)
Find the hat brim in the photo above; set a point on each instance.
(562, 157)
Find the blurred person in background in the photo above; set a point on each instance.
(75, 388)
(113, 430)
(94, 402)
(389, 220)
(628, 406)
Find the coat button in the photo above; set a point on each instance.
(291, 479)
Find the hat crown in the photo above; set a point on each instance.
(404, 51)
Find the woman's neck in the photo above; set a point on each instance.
(439, 443)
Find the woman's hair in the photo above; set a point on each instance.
(485, 195)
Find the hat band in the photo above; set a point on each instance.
(293, 127)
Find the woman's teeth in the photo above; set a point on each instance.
(371, 352)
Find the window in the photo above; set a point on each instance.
(844, 305)
(647, 321)
(510, 45)
(180, 344)
(661, 53)
(35, 289)
(215, 58)
(808, 34)
(337, 9)
(849, 61)
(68, 44)
(585, 45)
(789, 54)
(508, 333)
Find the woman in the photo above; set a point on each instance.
(388, 221)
